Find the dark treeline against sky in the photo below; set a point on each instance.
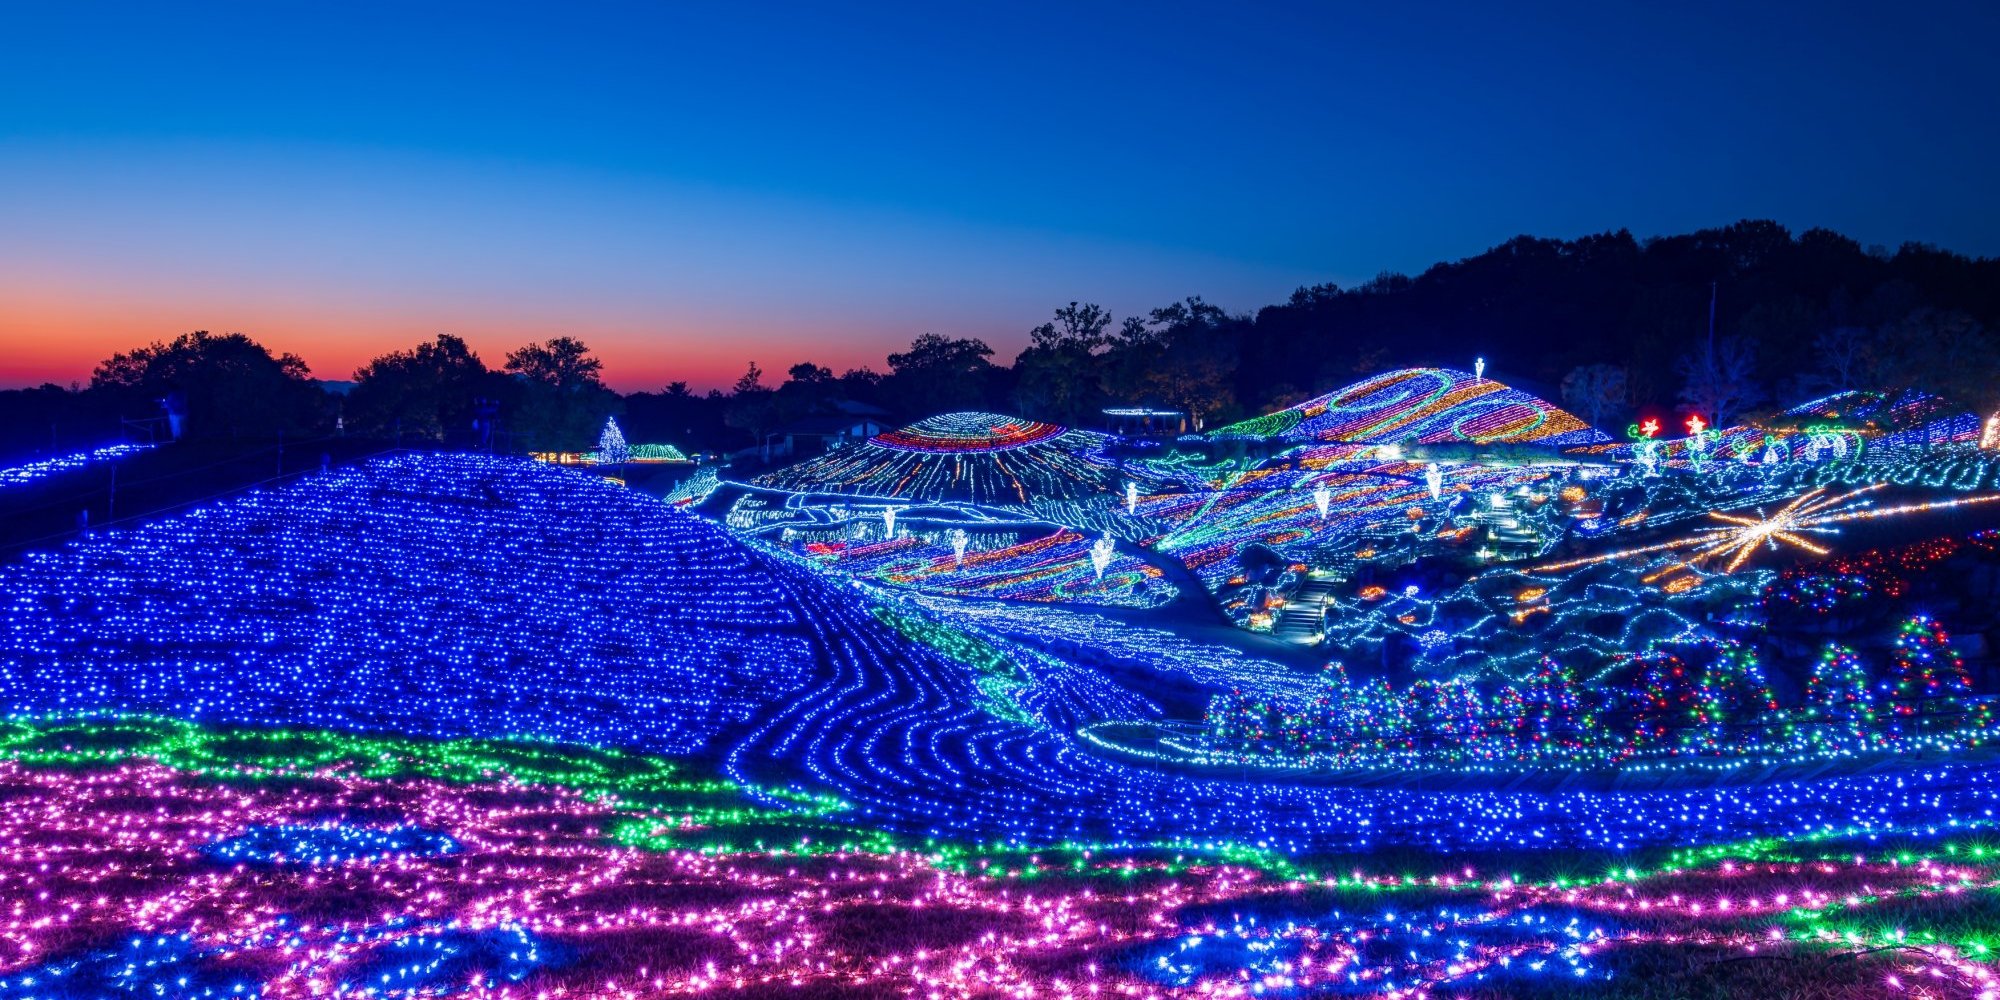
(690, 188)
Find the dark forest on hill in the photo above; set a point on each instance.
(1604, 324)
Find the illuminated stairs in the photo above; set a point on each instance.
(1299, 620)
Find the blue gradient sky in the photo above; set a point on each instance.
(689, 188)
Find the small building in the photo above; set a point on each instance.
(816, 435)
(1145, 421)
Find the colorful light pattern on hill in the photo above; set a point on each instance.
(1424, 406)
(968, 432)
(1906, 417)
(1052, 566)
(979, 458)
(582, 874)
(472, 596)
(1382, 509)
(1855, 432)
(950, 750)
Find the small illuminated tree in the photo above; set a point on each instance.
(1553, 720)
(1503, 731)
(1333, 704)
(1664, 703)
(611, 446)
(1926, 667)
(1730, 691)
(1236, 718)
(1841, 692)
(1382, 719)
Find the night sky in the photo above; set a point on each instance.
(688, 191)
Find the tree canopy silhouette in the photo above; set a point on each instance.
(223, 385)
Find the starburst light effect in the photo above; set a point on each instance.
(1740, 536)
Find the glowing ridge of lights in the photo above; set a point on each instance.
(965, 432)
(1425, 406)
(1908, 417)
(19, 474)
(980, 458)
(1382, 508)
(1843, 428)
(1025, 563)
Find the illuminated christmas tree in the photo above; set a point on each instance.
(1554, 721)
(1664, 702)
(1382, 716)
(1461, 720)
(1296, 731)
(1243, 722)
(1422, 706)
(1926, 667)
(1335, 713)
(1840, 692)
(611, 446)
(1446, 716)
(1730, 694)
(1506, 730)
(1224, 718)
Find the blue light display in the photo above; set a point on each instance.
(457, 595)
(329, 844)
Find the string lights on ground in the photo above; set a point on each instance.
(951, 715)
(19, 475)
(550, 893)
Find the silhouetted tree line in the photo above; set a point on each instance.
(1606, 323)
(203, 386)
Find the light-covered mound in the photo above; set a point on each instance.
(1892, 418)
(968, 457)
(1855, 426)
(443, 595)
(1422, 406)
